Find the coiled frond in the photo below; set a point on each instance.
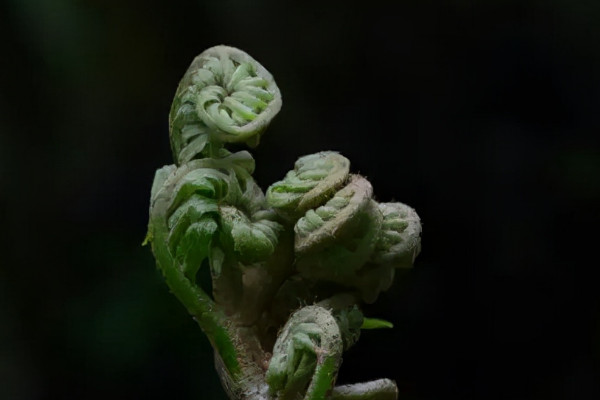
(399, 242)
(186, 207)
(313, 180)
(182, 228)
(336, 239)
(253, 238)
(306, 355)
(225, 96)
(317, 237)
(210, 196)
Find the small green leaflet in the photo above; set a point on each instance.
(374, 323)
(148, 238)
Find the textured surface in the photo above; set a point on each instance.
(268, 257)
(225, 96)
(492, 106)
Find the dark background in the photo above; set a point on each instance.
(484, 116)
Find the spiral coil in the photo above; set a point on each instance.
(313, 180)
(399, 242)
(208, 196)
(315, 236)
(306, 355)
(336, 239)
(225, 96)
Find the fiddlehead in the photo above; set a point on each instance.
(397, 245)
(183, 223)
(349, 238)
(210, 210)
(312, 181)
(316, 237)
(339, 236)
(399, 242)
(225, 96)
(306, 356)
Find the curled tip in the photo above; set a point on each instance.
(254, 239)
(225, 96)
(306, 355)
(335, 219)
(333, 241)
(313, 180)
(399, 241)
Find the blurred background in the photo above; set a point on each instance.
(481, 115)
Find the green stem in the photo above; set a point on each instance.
(317, 234)
(206, 313)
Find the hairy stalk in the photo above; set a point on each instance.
(289, 269)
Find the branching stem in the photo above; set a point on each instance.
(288, 269)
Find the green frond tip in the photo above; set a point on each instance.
(375, 323)
(252, 240)
(306, 355)
(314, 179)
(399, 241)
(147, 239)
(334, 241)
(225, 96)
(334, 220)
(315, 237)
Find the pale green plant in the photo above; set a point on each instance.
(289, 269)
